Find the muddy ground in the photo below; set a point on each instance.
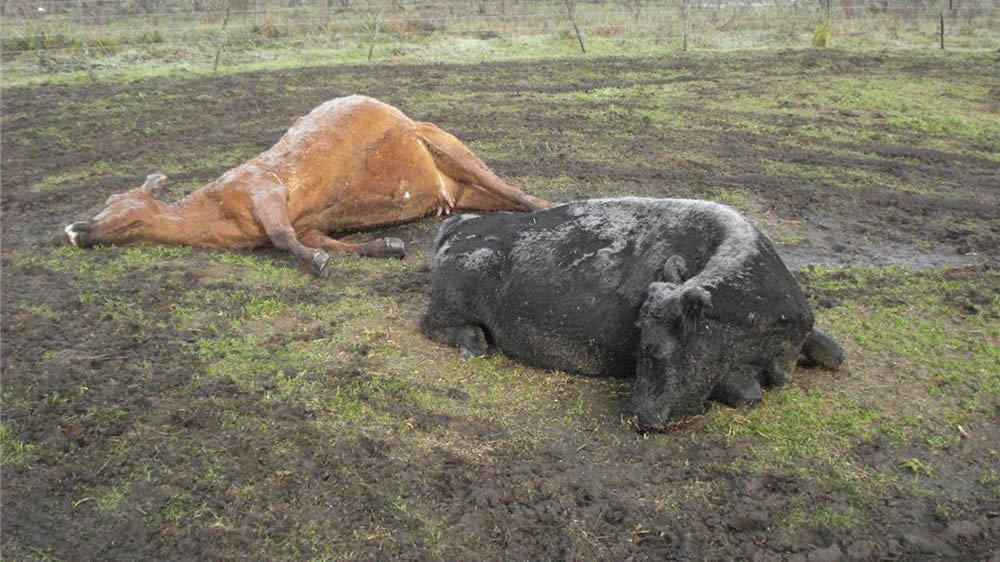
(187, 404)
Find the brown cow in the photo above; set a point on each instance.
(351, 163)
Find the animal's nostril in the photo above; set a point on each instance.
(76, 233)
(72, 235)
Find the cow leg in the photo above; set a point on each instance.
(821, 350)
(473, 197)
(470, 339)
(271, 211)
(737, 389)
(444, 324)
(379, 248)
(455, 160)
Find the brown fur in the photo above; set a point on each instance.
(351, 163)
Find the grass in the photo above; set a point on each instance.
(944, 375)
(56, 48)
(12, 450)
(830, 519)
(247, 334)
(364, 436)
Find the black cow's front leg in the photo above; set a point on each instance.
(470, 339)
(738, 388)
(821, 350)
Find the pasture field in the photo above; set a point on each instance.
(174, 403)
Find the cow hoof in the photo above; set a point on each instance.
(821, 350)
(384, 248)
(395, 247)
(319, 263)
(470, 340)
(736, 391)
(536, 203)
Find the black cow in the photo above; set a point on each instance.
(687, 295)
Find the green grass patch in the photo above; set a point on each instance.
(943, 346)
(14, 452)
(796, 423)
(831, 519)
(254, 270)
(104, 264)
(909, 335)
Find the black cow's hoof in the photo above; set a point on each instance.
(736, 390)
(384, 248)
(470, 341)
(821, 350)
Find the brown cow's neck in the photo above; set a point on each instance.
(187, 221)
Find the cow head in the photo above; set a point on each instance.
(127, 217)
(668, 322)
(724, 346)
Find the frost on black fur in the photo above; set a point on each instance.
(687, 296)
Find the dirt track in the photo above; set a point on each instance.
(149, 442)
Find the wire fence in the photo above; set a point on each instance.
(64, 27)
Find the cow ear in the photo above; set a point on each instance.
(694, 301)
(675, 307)
(661, 303)
(675, 269)
(154, 184)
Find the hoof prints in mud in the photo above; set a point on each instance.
(140, 423)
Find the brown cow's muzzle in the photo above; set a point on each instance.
(78, 234)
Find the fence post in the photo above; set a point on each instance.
(686, 24)
(942, 30)
(40, 50)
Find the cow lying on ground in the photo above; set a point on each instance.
(351, 163)
(686, 295)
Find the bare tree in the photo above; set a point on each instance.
(222, 39)
(571, 10)
(823, 32)
(634, 7)
(375, 15)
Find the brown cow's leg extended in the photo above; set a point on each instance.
(269, 207)
(473, 198)
(456, 161)
(476, 198)
(379, 248)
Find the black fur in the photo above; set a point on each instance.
(686, 295)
